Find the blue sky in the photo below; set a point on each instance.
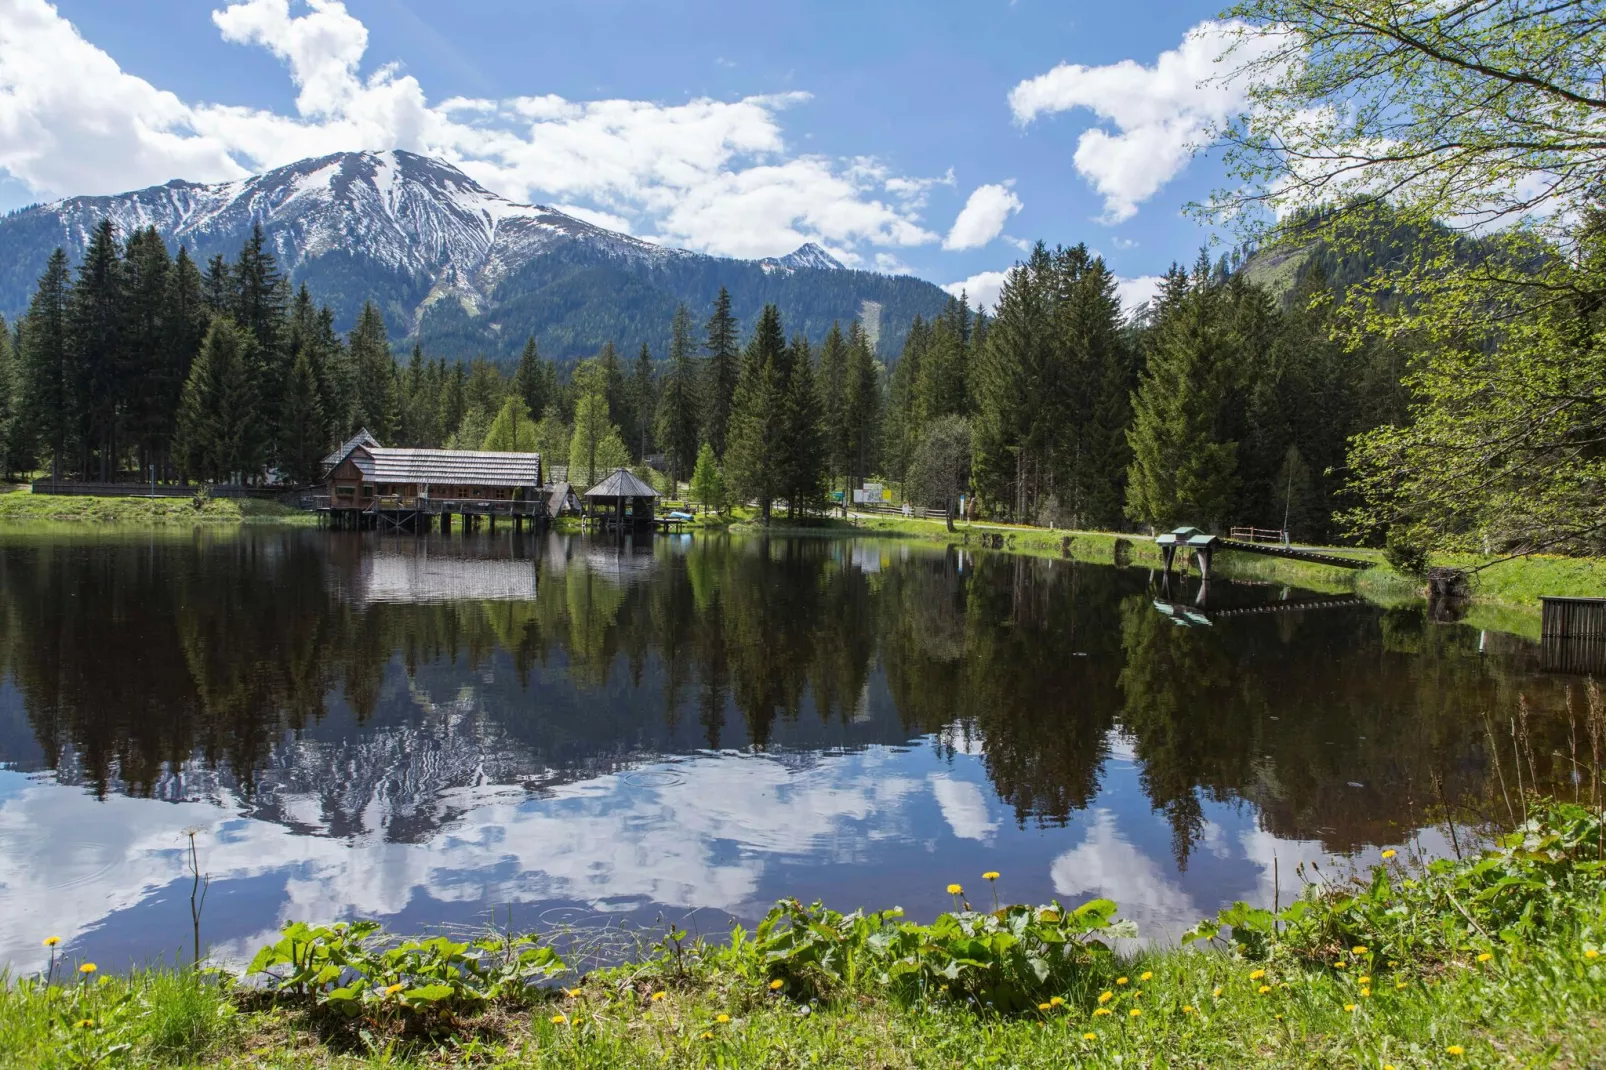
(734, 128)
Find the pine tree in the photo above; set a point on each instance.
(1018, 393)
(532, 380)
(417, 402)
(724, 371)
(260, 300)
(185, 319)
(95, 330)
(803, 456)
(10, 425)
(454, 402)
(1182, 469)
(862, 419)
(902, 418)
(834, 401)
(677, 402)
(643, 403)
(1091, 456)
(304, 437)
(46, 359)
(708, 482)
(213, 440)
(753, 462)
(374, 372)
(217, 288)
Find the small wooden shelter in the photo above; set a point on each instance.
(622, 501)
(406, 488)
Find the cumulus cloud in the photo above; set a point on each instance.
(710, 174)
(980, 289)
(1133, 292)
(1160, 113)
(983, 216)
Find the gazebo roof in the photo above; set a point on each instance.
(621, 483)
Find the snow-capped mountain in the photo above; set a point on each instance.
(448, 260)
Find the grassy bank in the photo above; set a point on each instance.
(22, 507)
(1491, 961)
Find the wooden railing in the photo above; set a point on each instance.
(1259, 535)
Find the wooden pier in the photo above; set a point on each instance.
(1572, 635)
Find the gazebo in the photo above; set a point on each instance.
(622, 501)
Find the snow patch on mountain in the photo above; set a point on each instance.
(807, 255)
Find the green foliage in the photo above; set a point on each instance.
(678, 400)
(512, 431)
(352, 970)
(214, 439)
(1007, 960)
(723, 372)
(708, 482)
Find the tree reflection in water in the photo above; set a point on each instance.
(360, 669)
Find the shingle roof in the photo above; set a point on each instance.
(361, 438)
(482, 468)
(621, 483)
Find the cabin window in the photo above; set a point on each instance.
(367, 490)
(345, 492)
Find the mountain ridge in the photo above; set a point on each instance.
(452, 264)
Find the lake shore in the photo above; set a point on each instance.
(1394, 969)
(20, 507)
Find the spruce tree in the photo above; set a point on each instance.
(532, 379)
(1182, 470)
(213, 440)
(46, 359)
(10, 440)
(185, 319)
(304, 437)
(217, 287)
(643, 404)
(861, 410)
(148, 345)
(95, 329)
(1018, 393)
(753, 461)
(803, 455)
(834, 395)
(723, 373)
(676, 423)
(260, 301)
(374, 373)
(901, 423)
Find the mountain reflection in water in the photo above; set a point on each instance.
(423, 730)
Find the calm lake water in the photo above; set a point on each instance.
(425, 731)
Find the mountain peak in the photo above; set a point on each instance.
(807, 255)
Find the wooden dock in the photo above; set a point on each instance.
(1291, 553)
(1572, 635)
(423, 515)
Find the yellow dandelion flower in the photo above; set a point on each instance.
(1216, 992)
(1399, 984)
(87, 968)
(1340, 964)
(1106, 996)
(1186, 1009)
(990, 875)
(86, 1023)
(1146, 975)
(1101, 1011)
(1090, 1036)
(1455, 1049)
(1120, 980)
(722, 1018)
(1279, 1017)
(558, 1019)
(1388, 1066)
(1592, 954)
(391, 990)
(1134, 1012)
(1350, 1007)
(52, 941)
(1263, 989)
(708, 1036)
(571, 992)
(656, 996)
(1055, 1001)
(1363, 979)
(1366, 993)
(1485, 957)
(1392, 964)
(777, 984)
(1358, 949)
(1043, 1007)
(956, 889)
(1390, 853)
(1257, 975)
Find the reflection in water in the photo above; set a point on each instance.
(422, 729)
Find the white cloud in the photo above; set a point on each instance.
(1133, 292)
(964, 807)
(710, 174)
(980, 289)
(983, 216)
(1161, 114)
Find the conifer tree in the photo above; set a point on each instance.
(95, 328)
(10, 425)
(260, 299)
(643, 403)
(1182, 470)
(512, 431)
(803, 457)
(148, 344)
(304, 437)
(902, 417)
(724, 372)
(374, 371)
(217, 287)
(834, 399)
(46, 360)
(862, 409)
(531, 381)
(753, 461)
(708, 482)
(185, 319)
(677, 402)
(215, 412)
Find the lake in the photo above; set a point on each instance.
(603, 735)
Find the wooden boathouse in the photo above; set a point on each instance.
(374, 487)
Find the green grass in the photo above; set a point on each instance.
(22, 507)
